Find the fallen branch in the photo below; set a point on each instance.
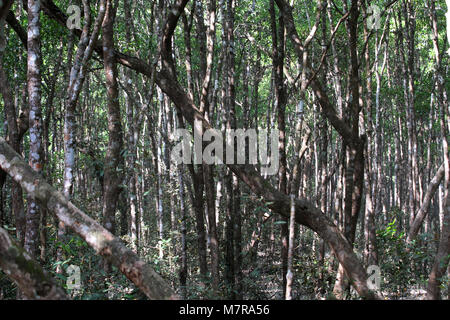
(100, 239)
(32, 280)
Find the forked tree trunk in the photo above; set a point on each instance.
(76, 81)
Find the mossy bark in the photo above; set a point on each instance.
(33, 281)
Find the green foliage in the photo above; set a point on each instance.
(402, 266)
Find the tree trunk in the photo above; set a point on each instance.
(31, 243)
(423, 210)
(183, 266)
(280, 107)
(114, 159)
(290, 274)
(442, 257)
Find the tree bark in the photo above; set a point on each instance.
(31, 243)
(183, 266)
(289, 273)
(280, 108)
(442, 257)
(32, 280)
(114, 158)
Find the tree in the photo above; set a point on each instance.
(31, 243)
(114, 155)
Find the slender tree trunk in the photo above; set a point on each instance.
(197, 177)
(229, 239)
(114, 159)
(290, 274)
(31, 243)
(231, 185)
(280, 107)
(442, 257)
(195, 169)
(354, 170)
(237, 236)
(207, 40)
(183, 266)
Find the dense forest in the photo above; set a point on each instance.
(224, 149)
